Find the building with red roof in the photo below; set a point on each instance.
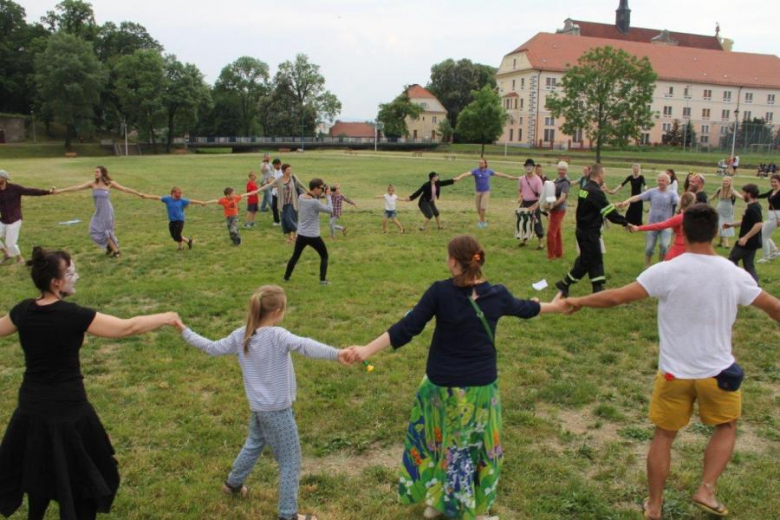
(426, 126)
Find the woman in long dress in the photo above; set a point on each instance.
(55, 447)
(102, 226)
(726, 197)
(638, 185)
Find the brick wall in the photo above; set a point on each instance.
(13, 128)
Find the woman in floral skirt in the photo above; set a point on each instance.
(453, 452)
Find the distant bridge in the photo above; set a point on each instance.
(293, 143)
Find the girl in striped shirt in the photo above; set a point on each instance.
(263, 349)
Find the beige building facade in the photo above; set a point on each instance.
(709, 88)
(426, 126)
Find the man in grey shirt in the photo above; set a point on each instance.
(309, 209)
(662, 203)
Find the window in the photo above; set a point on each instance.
(551, 83)
(549, 121)
(727, 96)
(515, 103)
(549, 135)
(705, 113)
(705, 129)
(748, 97)
(522, 83)
(645, 139)
(434, 119)
(707, 94)
(704, 139)
(669, 92)
(424, 106)
(724, 115)
(521, 103)
(511, 134)
(747, 115)
(769, 117)
(577, 136)
(514, 63)
(513, 85)
(666, 127)
(770, 99)
(520, 132)
(667, 111)
(704, 136)
(687, 93)
(724, 130)
(520, 121)
(687, 112)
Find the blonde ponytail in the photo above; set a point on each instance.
(264, 301)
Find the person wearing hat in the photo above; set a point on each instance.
(529, 190)
(11, 215)
(557, 212)
(429, 193)
(482, 184)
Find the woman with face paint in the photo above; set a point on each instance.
(55, 447)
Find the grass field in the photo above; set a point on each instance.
(575, 389)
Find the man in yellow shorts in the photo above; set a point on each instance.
(695, 318)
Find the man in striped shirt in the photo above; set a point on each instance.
(592, 209)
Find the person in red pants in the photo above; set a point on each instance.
(558, 211)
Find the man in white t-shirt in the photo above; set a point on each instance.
(695, 317)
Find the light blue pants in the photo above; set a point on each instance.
(279, 431)
(652, 237)
(334, 226)
(266, 201)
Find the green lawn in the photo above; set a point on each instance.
(575, 389)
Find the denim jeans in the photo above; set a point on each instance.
(279, 431)
(652, 237)
(266, 201)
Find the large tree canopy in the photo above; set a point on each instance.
(69, 79)
(185, 93)
(607, 95)
(17, 61)
(482, 120)
(453, 82)
(73, 17)
(139, 87)
(242, 84)
(393, 115)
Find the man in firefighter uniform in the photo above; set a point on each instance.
(592, 208)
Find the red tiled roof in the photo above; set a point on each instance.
(512, 94)
(554, 52)
(639, 34)
(416, 91)
(351, 130)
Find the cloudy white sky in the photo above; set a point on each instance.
(369, 49)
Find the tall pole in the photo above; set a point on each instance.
(736, 126)
(35, 139)
(685, 128)
(376, 134)
(124, 124)
(303, 132)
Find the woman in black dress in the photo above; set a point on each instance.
(638, 185)
(55, 447)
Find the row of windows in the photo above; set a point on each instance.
(549, 83)
(707, 95)
(747, 115)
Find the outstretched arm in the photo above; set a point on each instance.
(611, 298)
(150, 197)
(767, 303)
(462, 176)
(198, 202)
(221, 347)
(123, 189)
(107, 326)
(504, 176)
(77, 187)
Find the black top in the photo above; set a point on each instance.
(751, 217)
(11, 201)
(461, 352)
(701, 197)
(774, 200)
(593, 207)
(51, 336)
(636, 183)
(425, 190)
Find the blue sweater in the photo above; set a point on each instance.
(461, 352)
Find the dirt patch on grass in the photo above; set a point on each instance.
(353, 465)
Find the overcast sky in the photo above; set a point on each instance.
(368, 50)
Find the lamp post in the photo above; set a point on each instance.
(685, 128)
(303, 130)
(736, 126)
(35, 139)
(124, 127)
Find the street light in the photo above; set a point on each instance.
(736, 126)
(685, 129)
(35, 139)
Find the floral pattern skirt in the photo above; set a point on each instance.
(452, 455)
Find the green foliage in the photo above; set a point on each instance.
(307, 85)
(73, 17)
(678, 135)
(446, 130)
(607, 95)
(185, 94)
(453, 83)
(393, 115)
(17, 58)
(69, 79)
(241, 84)
(140, 84)
(278, 116)
(113, 41)
(482, 121)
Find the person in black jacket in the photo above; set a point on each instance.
(429, 193)
(592, 209)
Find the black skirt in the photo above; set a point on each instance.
(634, 213)
(58, 451)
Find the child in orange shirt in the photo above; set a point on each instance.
(229, 204)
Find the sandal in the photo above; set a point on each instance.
(646, 515)
(116, 254)
(719, 510)
(240, 490)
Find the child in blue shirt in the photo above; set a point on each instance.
(175, 205)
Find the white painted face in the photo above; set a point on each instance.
(70, 279)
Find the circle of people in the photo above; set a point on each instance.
(55, 447)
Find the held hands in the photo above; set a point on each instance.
(351, 355)
(173, 319)
(632, 228)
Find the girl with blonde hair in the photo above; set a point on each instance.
(726, 197)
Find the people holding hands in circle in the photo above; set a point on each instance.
(482, 175)
(429, 193)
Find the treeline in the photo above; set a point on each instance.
(87, 77)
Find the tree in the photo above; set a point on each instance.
(17, 58)
(69, 79)
(673, 136)
(308, 87)
(139, 88)
(446, 130)
(73, 17)
(453, 82)
(482, 120)
(114, 42)
(246, 82)
(608, 95)
(184, 94)
(278, 114)
(393, 115)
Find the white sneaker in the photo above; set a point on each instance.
(763, 260)
(431, 513)
(277, 224)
